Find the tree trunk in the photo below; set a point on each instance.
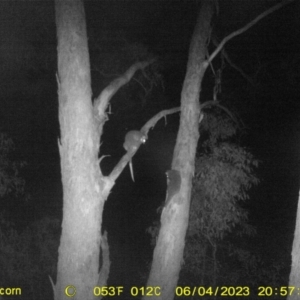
(78, 262)
(295, 273)
(168, 253)
(85, 189)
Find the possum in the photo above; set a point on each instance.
(174, 184)
(133, 139)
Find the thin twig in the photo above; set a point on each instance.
(246, 27)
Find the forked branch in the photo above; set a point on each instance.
(246, 27)
(128, 155)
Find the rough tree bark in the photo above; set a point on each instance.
(85, 189)
(168, 253)
(78, 263)
(295, 274)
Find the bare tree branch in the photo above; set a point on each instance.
(128, 156)
(151, 123)
(103, 99)
(246, 27)
(231, 63)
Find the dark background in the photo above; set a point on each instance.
(268, 53)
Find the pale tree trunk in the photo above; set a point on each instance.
(85, 189)
(295, 270)
(168, 253)
(78, 263)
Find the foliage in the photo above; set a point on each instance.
(214, 129)
(250, 269)
(29, 257)
(10, 181)
(223, 177)
(236, 267)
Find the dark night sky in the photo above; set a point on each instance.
(268, 53)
